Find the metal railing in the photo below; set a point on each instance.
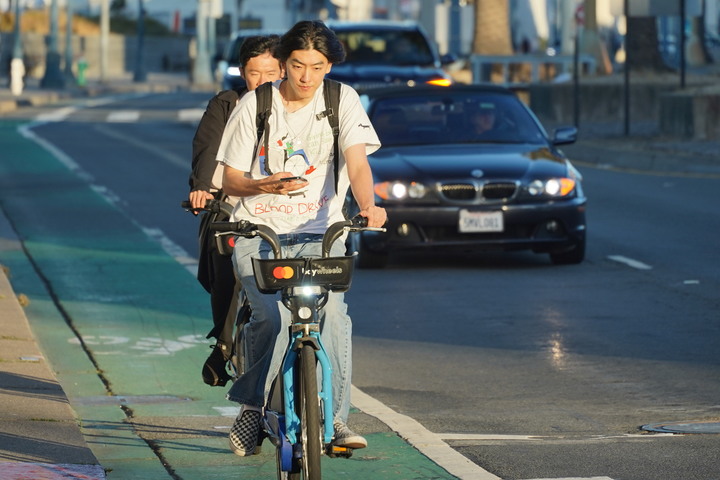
(482, 67)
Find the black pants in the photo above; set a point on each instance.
(217, 275)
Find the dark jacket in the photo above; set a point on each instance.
(207, 138)
(214, 269)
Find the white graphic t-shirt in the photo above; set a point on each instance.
(302, 143)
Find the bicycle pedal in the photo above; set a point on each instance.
(334, 451)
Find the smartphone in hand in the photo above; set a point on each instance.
(290, 179)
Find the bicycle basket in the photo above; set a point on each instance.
(333, 273)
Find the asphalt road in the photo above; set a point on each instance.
(529, 370)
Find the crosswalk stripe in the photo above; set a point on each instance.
(190, 114)
(123, 116)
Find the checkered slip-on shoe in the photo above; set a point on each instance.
(244, 432)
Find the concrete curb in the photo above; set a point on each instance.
(39, 430)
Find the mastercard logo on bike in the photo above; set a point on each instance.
(283, 273)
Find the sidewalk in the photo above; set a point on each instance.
(39, 434)
(33, 95)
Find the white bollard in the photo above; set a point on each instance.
(17, 71)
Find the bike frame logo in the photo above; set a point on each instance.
(286, 273)
(283, 273)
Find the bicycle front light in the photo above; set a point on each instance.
(307, 291)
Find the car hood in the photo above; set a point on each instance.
(436, 162)
(362, 73)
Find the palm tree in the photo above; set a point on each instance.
(492, 28)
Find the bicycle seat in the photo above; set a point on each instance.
(332, 273)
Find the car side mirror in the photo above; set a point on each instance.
(448, 58)
(564, 136)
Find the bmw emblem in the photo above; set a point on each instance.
(477, 173)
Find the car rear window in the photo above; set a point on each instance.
(386, 47)
(448, 119)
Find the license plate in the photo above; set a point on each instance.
(473, 222)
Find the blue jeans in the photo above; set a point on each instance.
(266, 335)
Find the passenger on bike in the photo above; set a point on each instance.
(300, 144)
(215, 270)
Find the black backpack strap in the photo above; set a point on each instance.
(263, 94)
(331, 92)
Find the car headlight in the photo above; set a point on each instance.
(554, 187)
(233, 71)
(400, 190)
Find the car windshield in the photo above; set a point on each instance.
(386, 47)
(454, 118)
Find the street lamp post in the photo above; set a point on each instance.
(53, 77)
(69, 77)
(139, 74)
(17, 66)
(201, 66)
(454, 40)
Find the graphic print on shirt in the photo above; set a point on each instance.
(296, 161)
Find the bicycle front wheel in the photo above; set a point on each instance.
(309, 409)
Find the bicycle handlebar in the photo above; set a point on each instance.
(213, 206)
(336, 229)
(246, 229)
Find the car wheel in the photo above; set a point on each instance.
(365, 257)
(570, 257)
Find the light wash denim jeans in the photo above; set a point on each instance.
(266, 335)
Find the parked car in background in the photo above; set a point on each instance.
(386, 52)
(469, 167)
(228, 68)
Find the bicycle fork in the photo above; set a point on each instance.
(307, 334)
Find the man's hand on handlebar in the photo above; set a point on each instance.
(376, 216)
(198, 199)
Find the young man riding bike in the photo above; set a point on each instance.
(298, 209)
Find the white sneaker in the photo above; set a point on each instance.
(344, 437)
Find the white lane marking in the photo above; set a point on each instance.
(630, 262)
(427, 442)
(190, 114)
(123, 116)
(227, 411)
(27, 132)
(56, 115)
(173, 249)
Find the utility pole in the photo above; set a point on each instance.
(69, 77)
(17, 65)
(201, 66)
(53, 77)
(104, 34)
(139, 75)
(454, 40)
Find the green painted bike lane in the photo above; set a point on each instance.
(123, 326)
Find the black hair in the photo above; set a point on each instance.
(311, 35)
(257, 45)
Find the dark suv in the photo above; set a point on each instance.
(384, 52)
